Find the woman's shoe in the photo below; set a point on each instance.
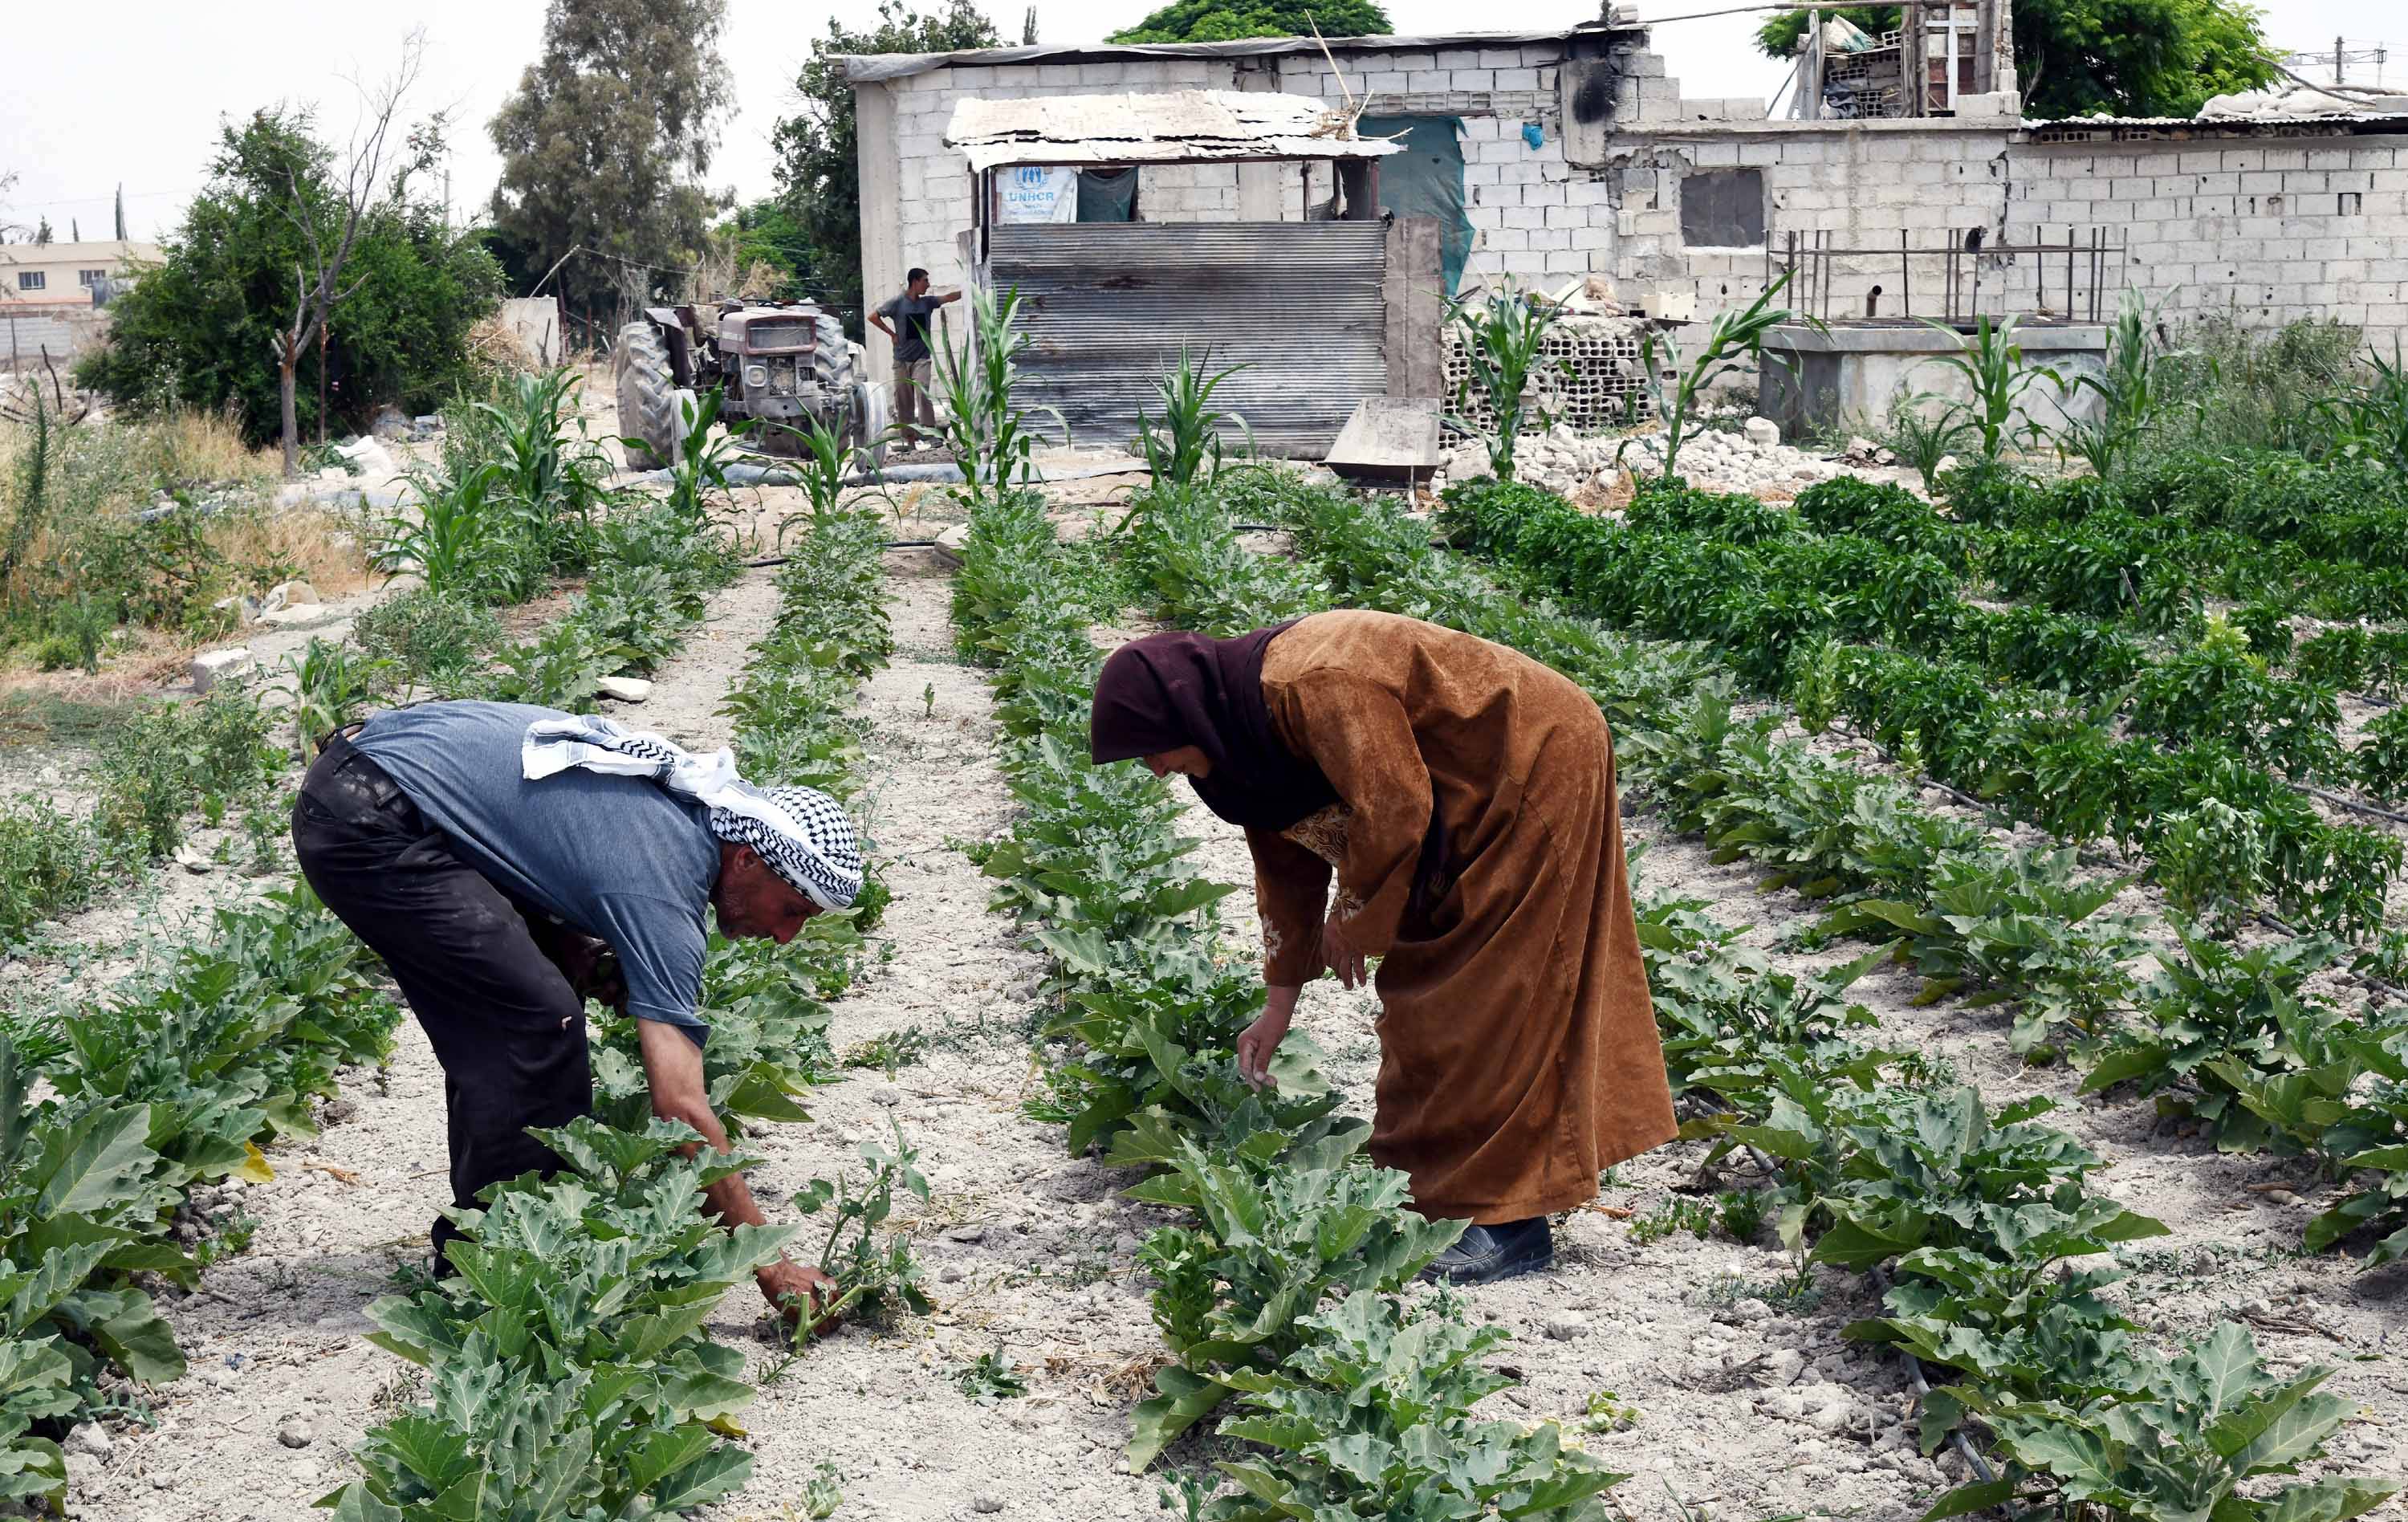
(1484, 1253)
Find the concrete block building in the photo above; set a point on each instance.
(1572, 153)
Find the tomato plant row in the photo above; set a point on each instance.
(1787, 620)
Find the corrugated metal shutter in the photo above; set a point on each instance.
(1107, 307)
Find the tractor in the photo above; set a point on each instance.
(786, 365)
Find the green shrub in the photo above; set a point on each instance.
(169, 759)
(431, 638)
(48, 862)
(2381, 763)
(193, 332)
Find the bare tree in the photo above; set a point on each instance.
(9, 230)
(317, 281)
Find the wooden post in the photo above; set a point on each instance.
(321, 384)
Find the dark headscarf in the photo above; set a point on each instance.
(1169, 690)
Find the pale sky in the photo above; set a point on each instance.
(137, 102)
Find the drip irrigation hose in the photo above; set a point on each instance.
(1922, 1387)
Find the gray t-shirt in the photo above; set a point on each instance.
(618, 857)
(909, 316)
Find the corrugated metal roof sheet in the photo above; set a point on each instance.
(863, 68)
(1178, 127)
(1107, 307)
(2243, 124)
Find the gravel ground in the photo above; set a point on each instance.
(1747, 1403)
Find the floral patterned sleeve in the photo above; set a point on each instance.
(1359, 734)
(1291, 892)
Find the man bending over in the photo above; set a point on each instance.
(493, 854)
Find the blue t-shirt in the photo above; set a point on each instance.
(618, 857)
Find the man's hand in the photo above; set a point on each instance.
(879, 323)
(797, 1292)
(1344, 959)
(1259, 1043)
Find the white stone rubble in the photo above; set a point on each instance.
(1753, 460)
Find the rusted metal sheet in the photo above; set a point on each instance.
(1177, 126)
(1106, 308)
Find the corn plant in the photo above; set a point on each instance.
(1188, 439)
(1734, 344)
(2128, 392)
(1922, 433)
(553, 480)
(1990, 362)
(1504, 334)
(820, 469)
(986, 429)
(698, 469)
(329, 684)
(448, 538)
(2370, 416)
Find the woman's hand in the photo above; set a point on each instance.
(1341, 954)
(1259, 1043)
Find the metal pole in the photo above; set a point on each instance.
(2040, 297)
(321, 384)
(2337, 63)
(1905, 277)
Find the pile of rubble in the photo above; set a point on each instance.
(1600, 471)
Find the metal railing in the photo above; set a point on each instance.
(1953, 276)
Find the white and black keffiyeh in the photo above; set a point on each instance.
(801, 832)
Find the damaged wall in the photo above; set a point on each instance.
(1576, 149)
(1530, 220)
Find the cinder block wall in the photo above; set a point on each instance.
(2273, 228)
(2268, 228)
(1531, 219)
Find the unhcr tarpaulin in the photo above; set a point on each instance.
(1427, 179)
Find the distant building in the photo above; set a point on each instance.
(67, 274)
(53, 296)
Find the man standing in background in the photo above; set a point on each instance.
(914, 369)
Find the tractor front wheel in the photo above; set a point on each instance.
(648, 397)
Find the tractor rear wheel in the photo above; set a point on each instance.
(648, 397)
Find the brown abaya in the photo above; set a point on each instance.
(1518, 1047)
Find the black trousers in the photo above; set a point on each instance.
(505, 1024)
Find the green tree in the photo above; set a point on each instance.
(818, 173)
(2121, 57)
(42, 232)
(199, 329)
(2136, 57)
(120, 211)
(1226, 21)
(605, 142)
